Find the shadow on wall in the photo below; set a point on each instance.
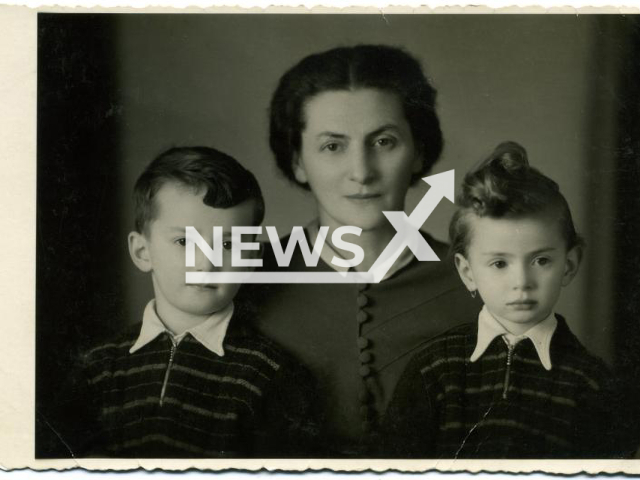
(80, 291)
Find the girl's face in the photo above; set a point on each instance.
(518, 265)
(357, 156)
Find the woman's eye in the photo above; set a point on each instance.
(227, 245)
(181, 241)
(385, 142)
(331, 147)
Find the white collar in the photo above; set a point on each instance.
(328, 253)
(540, 335)
(209, 333)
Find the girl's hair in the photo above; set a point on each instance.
(363, 66)
(225, 182)
(505, 185)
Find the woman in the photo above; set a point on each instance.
(357, 126)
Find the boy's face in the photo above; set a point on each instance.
(162, 251)
(518, 265)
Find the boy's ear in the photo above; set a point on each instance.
(572, 264)
(465, 272)
(298, 169)
(139, 251)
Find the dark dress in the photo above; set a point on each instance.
(357, 339)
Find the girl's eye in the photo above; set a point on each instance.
(499, 264)
(227, 245)
(181, 241)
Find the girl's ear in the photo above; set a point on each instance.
(465, 272)
(139, 251)
(298, 169)
(572, 264)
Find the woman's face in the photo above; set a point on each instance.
(357, 156)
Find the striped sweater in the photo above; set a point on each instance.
(170, 402)
(504, 405)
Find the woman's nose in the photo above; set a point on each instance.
(361, 165)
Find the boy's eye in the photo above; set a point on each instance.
(499, 264)
(227, 245)
(181, 241)
(542, 260)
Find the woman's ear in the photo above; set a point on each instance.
(139, 251)
(465, 272)
(298, 169)
(572, 264)
(418, 163)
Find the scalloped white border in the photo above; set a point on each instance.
(17, 247)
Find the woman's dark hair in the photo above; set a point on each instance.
(505, 185)
(225, 181)
(363, 66)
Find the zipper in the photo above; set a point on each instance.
(508, 371)
(172, 354)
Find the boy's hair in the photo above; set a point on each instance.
(505, 185)
(227, 183)
(346, 68)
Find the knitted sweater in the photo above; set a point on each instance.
(504, 405)
(166, 402)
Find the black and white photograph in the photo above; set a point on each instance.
(483, 169)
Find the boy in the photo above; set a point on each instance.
(193, 380)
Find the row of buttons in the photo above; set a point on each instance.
(366, 357)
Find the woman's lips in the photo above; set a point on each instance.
(363, 196)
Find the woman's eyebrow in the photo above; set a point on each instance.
(543, 250)
(384, 128)
(331, 135)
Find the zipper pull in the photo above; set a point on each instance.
(508, 370)
(174, 346)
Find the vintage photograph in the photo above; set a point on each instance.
(485, 169)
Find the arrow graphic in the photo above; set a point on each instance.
(408, 227)
(407, 236)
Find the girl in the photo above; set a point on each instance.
(516, 383)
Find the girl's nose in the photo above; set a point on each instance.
(361, 166)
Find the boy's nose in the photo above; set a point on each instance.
(361, 166)
(203, 264)
(523, 278)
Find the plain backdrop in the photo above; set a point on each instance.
(537, 80)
